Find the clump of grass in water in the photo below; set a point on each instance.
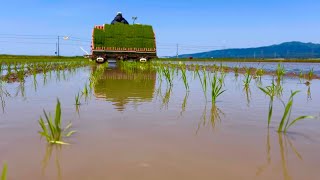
(52, 130)
(285, 122)
(4, 172)
(216, 90)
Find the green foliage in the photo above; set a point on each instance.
(52, 130)
(285, 122)
(4, 172)
(124, 36)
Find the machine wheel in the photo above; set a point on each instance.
(100, 60)
(143, 59)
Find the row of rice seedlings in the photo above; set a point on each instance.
(52, 130)
(4, 172)
(22, 70)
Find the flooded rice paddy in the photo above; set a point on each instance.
(141, 121)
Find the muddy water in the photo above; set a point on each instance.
(133, 126)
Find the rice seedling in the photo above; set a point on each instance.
(259, 73)
(271, 92)
(236, 70)
(203, 82)
(197, 67)
(247, 79)
(4, 172)
(216, 89)
(167, 75)
(285, 122)
(280, 71)
(184, 78)
(77, 99)
(222, 78)
(310, 74)
(301, 74)
(52, 130)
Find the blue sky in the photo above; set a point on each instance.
(196, 25)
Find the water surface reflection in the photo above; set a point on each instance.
(120, 87)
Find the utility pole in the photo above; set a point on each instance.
(177, 51)
(58, 46)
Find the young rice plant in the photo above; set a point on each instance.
(51, 129)
(286, 123)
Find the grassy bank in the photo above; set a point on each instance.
(241, 60)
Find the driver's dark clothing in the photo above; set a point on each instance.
(119, 19)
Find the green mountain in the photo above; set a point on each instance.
(285, 50)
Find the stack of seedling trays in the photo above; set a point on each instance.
(122, 37)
